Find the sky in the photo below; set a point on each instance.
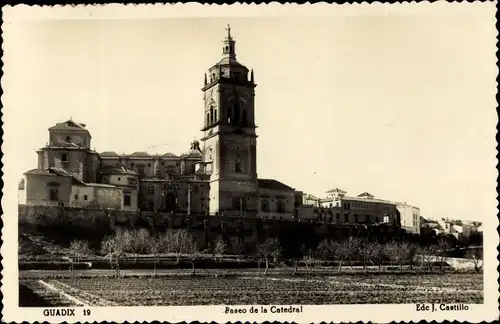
(401, 105)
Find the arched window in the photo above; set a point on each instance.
(215, 115)
(244, 119)
(211, 114)
(208, 119)
(237, 113)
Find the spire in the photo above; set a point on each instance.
(251, 76)
(205, 79)
(228, 48)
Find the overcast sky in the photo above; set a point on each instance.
(399, 105)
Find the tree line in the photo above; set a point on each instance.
(331, 255)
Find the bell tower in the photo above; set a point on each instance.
(230, 140)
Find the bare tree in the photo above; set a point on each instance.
(114, 247)
(443, 248)
(269, 250)
(428, 256)
(368, 251)
(411, 254)
(178, 242)
(157, 245)
(78, 249)
(220, 248)
(241, 251)
(138, 242)
(476, 258)
(326, 250)
(308, 258)
(397, 252)
(378, 254)
(346, 250)
(191, 248)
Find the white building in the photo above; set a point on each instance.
(410, 217)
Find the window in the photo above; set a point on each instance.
(64, 157)
(215, 115)
(68, 138)
(119, 178)
(211, 114)
(237, 203)
(208, 119)
(330, 205)
(346, 217)
(237, 166)
(151, 190)
(53, 194)
(264, 205)
(237, 113)
(85, 197)
(244, 120)
(126, 199)
(281, 206)
(76, 197)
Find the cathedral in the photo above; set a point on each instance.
(217, 176)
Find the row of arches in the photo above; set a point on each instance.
(235, 115)
(211, 116)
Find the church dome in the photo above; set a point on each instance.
(194, 151)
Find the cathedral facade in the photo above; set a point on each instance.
(217, 176)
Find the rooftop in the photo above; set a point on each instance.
(54, 172)
(366, 195)
(370, 199)
(273, 185)
(69, 125)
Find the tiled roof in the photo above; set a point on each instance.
(170, 155)
(230, 61)
(273, 184)
(68, 125)
(140, 154)
(361, 199)
(54, 172)
(192, 154)
(109, 154)
(39, 171)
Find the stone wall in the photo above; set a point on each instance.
(62, 225)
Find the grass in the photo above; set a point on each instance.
(139, 289)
